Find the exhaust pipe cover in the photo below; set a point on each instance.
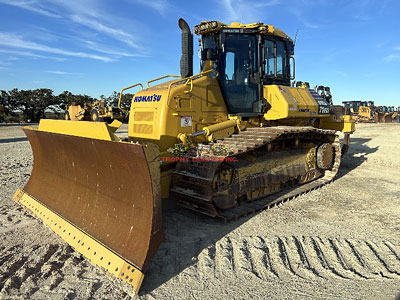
(186, 63)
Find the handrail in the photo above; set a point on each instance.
(188, 79)
(159, 78)
(120, 96)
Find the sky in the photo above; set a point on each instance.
(95, 47)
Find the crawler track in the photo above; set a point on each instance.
(204, 187)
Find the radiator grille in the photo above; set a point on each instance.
(143, 128)
(141, 116)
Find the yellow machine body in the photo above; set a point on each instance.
(163, 112)
(96, 111)
(365, 112)
(75, 113)
(106, 192)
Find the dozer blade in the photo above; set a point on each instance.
(102, 197)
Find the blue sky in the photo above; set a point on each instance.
(96, 46)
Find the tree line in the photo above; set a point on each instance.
(33, 105)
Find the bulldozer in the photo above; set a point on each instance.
(324, 92)
(232, 140)
(97, 111)
(363, 111)
(386, 114)
(366, 112)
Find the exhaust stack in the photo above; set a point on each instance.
(186, 62)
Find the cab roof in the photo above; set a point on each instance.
(214, 26)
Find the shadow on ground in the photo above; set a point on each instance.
(356, 155)
(13, 140)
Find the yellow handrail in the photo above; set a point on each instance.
(188, 79)
(159, 78)
(120, 96)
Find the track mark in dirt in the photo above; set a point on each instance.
(10, 271)
(372, 262)
(384, 257)
(224, 250)
(283, 253)
(264, 251)
(323, 257)
(303, 256)
(206, 261)
(247, 259)
(342, 258)
(37, 268)
(302, 262)
(391, 248)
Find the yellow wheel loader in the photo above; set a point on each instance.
(229, 141)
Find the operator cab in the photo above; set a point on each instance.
(246, 57)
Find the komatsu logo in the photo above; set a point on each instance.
(153, 98)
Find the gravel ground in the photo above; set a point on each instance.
(339, 242)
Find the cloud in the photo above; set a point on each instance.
(33, 6)
(341, 73)
(367, 10)
(395, 56)
(16, 41)
(85, 13)
(63, 73)
(244, 11)
(117, 34)
(392, 57)
(103, 49)
(161, 6)
(30, 54)
(298, 10)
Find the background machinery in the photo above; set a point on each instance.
(226, 142)
(363, 111)
(96, 111)
(385, 114)
(367, 112)
(324, 92)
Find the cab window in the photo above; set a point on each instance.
(275, 57)
(269, 57)
(280, 58)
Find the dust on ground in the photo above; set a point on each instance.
(339, 242)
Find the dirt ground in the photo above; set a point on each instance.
(339, 242)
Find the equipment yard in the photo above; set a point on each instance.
(338, 242)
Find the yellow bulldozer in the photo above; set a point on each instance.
(229, 141)
(367, 112)
(386, 114)
(362, 111)
(97, 111)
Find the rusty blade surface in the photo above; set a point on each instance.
(110, 190)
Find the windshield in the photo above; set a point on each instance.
(238, 63)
